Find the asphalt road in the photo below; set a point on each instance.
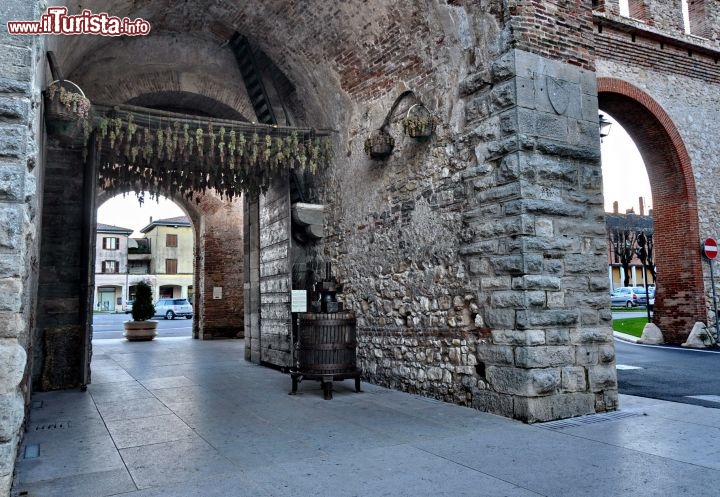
(111, 326)
(669, 373)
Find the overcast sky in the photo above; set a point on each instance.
(126, 212)
(624, 176)
(624, 180)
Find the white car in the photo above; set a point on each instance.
(171, 308)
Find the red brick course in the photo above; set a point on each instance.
(555, 29)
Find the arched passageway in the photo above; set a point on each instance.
(680, 293)
(207, 81)
(217, 263)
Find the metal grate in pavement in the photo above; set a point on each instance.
(60, 425)
(32, 451)
(589, 419)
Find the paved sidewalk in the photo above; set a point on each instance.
(181, 417)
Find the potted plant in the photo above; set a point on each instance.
(419, 123)
(141, 328)
(67, 112)
(379, 145)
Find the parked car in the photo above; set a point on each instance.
(171, 308)
(642, 297)
(631, 296)
(624, 296)
(128, 306)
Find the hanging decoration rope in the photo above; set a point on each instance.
(170, 153)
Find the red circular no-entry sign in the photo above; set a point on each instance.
(710, 248)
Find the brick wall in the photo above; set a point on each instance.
(556, 29)
(219, 263)
(61, 325)
(662, 57)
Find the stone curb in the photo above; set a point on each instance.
(625, 337)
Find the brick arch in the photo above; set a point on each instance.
(680, 298)
(205, 76)
(142, 89)
(185, 102)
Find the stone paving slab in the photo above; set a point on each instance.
(93, 484)
(196, 419)
(398, 470)
(160, 464)
(136, 432)
(132, 409)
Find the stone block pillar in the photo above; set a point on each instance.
(538, 246)
(64, 302)
(251, 228)
(22, 60)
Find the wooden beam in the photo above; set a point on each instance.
(57, 74)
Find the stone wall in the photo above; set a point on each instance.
(666, 16)
(275, 275)
(251, 230)
(476, 261)
(21, 173)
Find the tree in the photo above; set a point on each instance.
(623, 244)
(630, 235)
(645, 251)
(143, 308)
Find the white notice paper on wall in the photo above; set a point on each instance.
(299, 301)
(217, 292)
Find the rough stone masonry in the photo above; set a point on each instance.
(483, 281)
(22, 60)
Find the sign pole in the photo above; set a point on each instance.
(647, 293)
(712, 281)
(710, 251)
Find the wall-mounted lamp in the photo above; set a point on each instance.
(605, 126)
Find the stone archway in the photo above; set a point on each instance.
(680, 294)
(218, 263)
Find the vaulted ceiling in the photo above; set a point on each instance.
(320, 54)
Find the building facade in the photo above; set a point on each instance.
(163, 259)
(111, 268)
(170, 262)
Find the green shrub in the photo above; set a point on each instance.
(143, 308)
